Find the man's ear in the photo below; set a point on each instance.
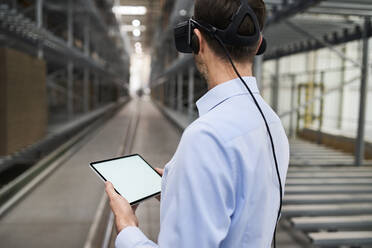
(259, 44)
(200, 39)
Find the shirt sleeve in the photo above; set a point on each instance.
(198, 200)
(132, 237)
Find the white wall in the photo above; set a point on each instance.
(329, 62)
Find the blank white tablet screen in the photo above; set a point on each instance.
(131, 176)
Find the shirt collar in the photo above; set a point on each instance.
(224, 91)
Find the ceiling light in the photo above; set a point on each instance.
(129, 10)
(136, 23)
(137, 33)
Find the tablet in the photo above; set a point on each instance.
(132, 177)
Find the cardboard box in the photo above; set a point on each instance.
(23, 102)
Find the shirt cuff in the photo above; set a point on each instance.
(131, 237)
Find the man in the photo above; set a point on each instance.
(221, 188)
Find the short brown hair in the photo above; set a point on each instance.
(218, 14)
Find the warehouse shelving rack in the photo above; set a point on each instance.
(86, 57)
(109, 60)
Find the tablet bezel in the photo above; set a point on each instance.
(122, 157)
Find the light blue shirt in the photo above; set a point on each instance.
(220, 189)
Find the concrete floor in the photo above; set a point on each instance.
(157, 140)
(59, 212)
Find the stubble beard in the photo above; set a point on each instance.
(202, 68)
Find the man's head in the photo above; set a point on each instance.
(218, 13)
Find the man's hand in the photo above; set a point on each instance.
(124, 214)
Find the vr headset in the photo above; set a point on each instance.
(188, 42)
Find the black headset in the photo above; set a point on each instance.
(187, 42)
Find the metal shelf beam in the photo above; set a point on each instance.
(21, 29)
(289, 10)
(310, 45)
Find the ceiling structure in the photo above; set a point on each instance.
(332, 7)
(327, 22)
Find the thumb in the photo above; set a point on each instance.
(110, 191)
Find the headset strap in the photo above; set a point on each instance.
(230, 35)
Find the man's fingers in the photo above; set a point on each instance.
(110, 190)
(121, 208)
